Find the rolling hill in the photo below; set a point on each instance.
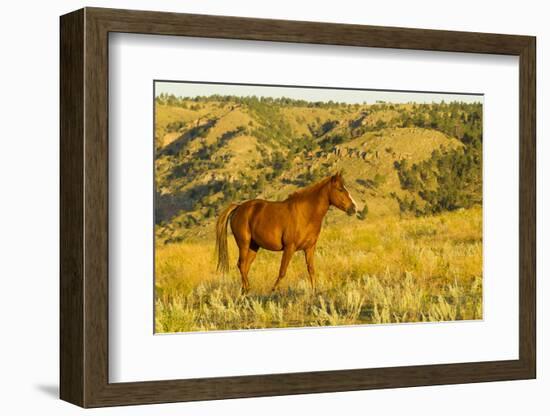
(211, 151)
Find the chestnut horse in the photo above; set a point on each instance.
(288, 226)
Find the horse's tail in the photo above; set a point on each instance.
(221, 238)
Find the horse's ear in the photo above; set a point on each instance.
(340, 176)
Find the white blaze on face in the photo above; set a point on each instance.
(350, 197)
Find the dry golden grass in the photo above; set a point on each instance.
(385, 271)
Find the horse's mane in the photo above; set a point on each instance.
(308, 189)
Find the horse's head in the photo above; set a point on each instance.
(339, 196)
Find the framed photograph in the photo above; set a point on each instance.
(256, 207)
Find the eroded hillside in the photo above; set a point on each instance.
(396, 158)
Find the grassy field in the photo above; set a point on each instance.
(382, 270)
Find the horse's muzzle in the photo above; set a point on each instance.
(351, 210)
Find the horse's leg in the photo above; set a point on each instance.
(241, 232)
(287, 255)
(250, 256)
(310, 254)
(243, 266)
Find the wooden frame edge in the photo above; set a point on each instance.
(84, 207)
(72, 367)
(528, 207)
